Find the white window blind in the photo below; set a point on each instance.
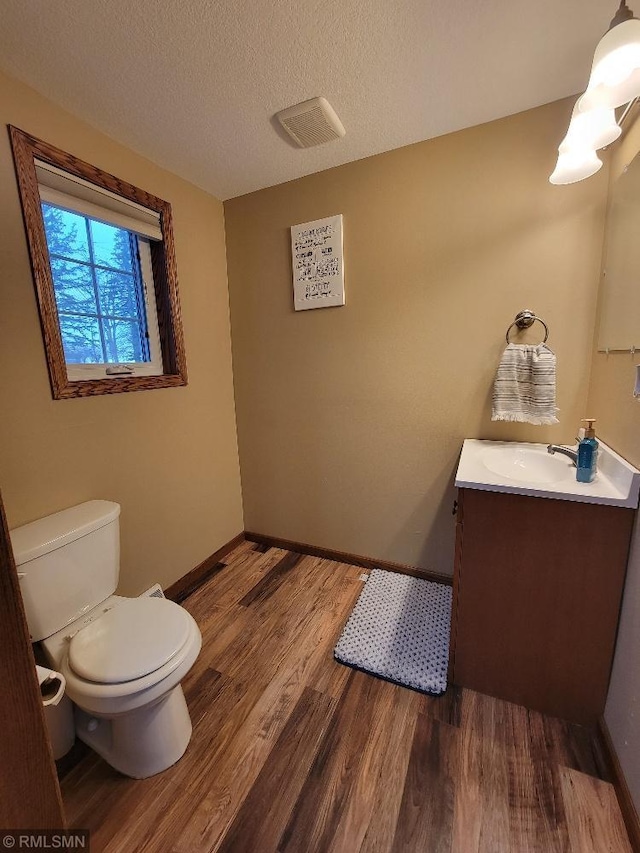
(77, 195)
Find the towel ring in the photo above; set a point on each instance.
(523, 320)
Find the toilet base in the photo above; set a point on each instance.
(140, 743)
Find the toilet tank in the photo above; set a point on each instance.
(67, 564)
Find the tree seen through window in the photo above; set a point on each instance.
(98, 288)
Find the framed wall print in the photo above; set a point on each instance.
(318, 267)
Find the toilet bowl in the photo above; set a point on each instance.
(123, 658)
(123, 666)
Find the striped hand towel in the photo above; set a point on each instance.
(525, 388)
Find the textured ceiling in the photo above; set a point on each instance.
(193, 85)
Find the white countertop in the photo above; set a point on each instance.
(532, 471)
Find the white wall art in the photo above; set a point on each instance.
(318, 268)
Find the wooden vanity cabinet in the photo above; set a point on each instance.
(536, 600)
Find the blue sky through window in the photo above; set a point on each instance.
(98, 288)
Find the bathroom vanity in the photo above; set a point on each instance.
(540, 563)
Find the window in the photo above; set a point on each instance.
(105, 306)
(104, 271)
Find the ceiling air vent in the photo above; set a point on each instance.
(311, 123)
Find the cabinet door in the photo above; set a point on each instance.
(539, 589)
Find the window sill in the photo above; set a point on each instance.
(116, 385)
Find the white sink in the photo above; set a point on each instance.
(528, 469)
(526, 465)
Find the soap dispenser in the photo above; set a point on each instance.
(587, 463)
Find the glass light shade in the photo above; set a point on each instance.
(575, 164)
(591, 130)
(615, 73)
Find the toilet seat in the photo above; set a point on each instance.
(115, 698)
(129, 641)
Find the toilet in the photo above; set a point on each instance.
(123, 658)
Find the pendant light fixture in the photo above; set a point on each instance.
(614, 81)
(587, 132)
(575, 165)
(592, 129)
(615, 74)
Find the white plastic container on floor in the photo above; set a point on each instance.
(58, 710)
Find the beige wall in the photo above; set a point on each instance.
(618, 414)
(350, 420)
(169, 456)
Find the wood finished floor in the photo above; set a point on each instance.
(292, 752)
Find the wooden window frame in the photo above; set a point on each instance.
(26, 149)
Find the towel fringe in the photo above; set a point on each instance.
(520, 418)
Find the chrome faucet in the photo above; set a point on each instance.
(558, 448)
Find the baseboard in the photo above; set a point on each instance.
(188, 583)
(627, 807)
(344, 557)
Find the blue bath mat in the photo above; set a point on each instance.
(399, 630)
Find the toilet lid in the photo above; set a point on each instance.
(129, 641)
